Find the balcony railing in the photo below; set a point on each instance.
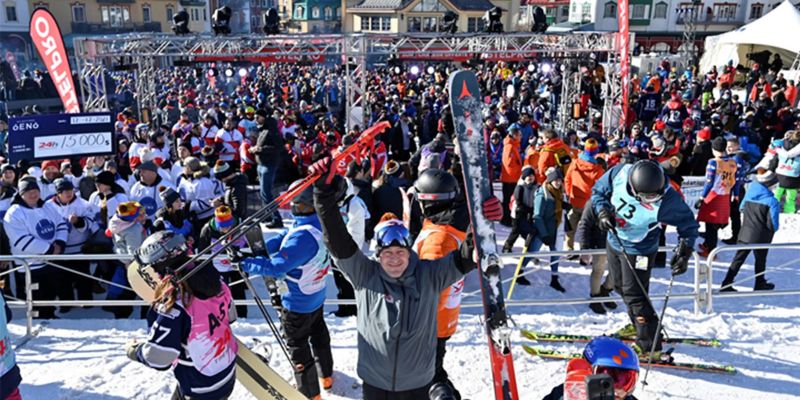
(103, 29)
(713, 20)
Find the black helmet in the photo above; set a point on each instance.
(306, 197)
(647, 181)
(161, 250)
(436, 185)
(154, 135)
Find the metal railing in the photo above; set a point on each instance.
(702, 294)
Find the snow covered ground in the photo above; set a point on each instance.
(81, 355)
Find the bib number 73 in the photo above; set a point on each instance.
(626, 210)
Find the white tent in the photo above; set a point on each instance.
(778, 32)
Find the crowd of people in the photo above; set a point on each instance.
(183, 178)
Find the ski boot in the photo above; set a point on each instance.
(764, 285)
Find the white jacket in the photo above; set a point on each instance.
(111, 205)
(355, 215)
(76, 237)
(148, 196)
(199, 192)
(32, 231)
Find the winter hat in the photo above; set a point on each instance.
(223, 217)
(105, 177)
(63, 184)
(591, 147)
(149, 166)
(110, 164)
(766, 177)
(51, 163)
(222, 170)
(719, 144)
(192, 163)
(129, 210)
(168, 195)
(7, 167)
(704, 134)
(553, 174)
(391, 168)
(186, 145)
(27, 183)
(527, 171)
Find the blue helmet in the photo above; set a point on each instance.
(391, 232)
(606, 351)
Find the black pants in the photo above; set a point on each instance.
(519, 227)
(441, 374)
(739, 259)
(81, 284)
(309, 343)
(508, 191)
(48, 278)
(345, 292)
(372, 393)
(736, 216)
(711, 236)
(642, 315)
(237, 291)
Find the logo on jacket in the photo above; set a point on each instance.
(149, 205)
(388, 298)
(46, 229)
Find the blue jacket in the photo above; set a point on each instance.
(11, 379)
(544, 215)
(760, 214)
(671, 211)
(289, 253)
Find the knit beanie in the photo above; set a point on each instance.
(591, 147)
(26, 184)
(704, 134)
(553, 174)
(222, 170)
(129, 210)
(223, 217)
(168, 195)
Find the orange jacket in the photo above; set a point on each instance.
(512, 161)
(434, 242)
(579, 180)
(532, 156)
(547, 157)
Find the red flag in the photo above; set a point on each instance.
(47, 37)
(624, 56)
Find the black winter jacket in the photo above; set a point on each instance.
(588, 233)
(235, 196)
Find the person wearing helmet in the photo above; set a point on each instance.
(396, 344)
(299, 257)
(444, 228)
(189, 324)
(632, 202)
(602, 355)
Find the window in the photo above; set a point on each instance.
(114, 16)
(639, 11)
(414, 24)
(430, 24)
(586, 12)
(574, 6)
(724, 12)
(338, 12)
(146, 16)
(687, 9)
(756, 10)
(475, 24)
(377, 23)
(386, 24)
(660, 11)
(610, 10)
(429, 5)
(564, 11)
(78, 13)
(299, 12)
(170, 13)
(11, 14)
(364, 23)
(205, 15)
(315, 12)
(328, 13)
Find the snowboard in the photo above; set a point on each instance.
(568, 338)
(465, 103)
(549, 354)
(251, 371)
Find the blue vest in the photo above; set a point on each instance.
(634, 219)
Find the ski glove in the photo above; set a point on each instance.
(698, 203)
(680, 261)
(492, 209)
(606, 220)
(254, 265)
(322, 167)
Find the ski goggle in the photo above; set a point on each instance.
(624, 379)
(392, 233)
(649, 198)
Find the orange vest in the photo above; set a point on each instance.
(434, 242)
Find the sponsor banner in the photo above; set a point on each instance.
(42, 137)
(47, 38)
(692, 189)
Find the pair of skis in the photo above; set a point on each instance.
(551, 354)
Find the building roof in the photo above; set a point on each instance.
(463, 5)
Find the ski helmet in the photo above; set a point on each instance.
(161, 250)
(613, 357)
(391, 232)
(647, 181)
(153, 136)
(303, 199)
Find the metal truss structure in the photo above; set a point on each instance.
(148, 52)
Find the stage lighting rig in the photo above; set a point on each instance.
(272, 22)
(180, 23)
(221, 21)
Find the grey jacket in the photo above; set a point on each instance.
(396, 317)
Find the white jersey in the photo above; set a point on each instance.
(355, 214)
(148, 196)
(230, 141)
(199, 193)
(47, 189)
(111, 207)
(76, 237)
(208, 134)
(31, 231)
